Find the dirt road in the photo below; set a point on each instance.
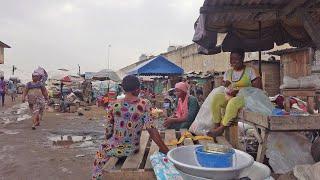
(61, 148)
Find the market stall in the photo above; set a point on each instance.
(258, 26)
(268, 124)
(162, 68)
(138, 166)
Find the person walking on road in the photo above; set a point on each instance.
(36, 93)
(12, 89)
(2, 90)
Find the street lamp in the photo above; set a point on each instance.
(109, 46)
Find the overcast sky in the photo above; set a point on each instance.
(63, 33)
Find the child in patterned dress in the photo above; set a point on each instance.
(125, 121)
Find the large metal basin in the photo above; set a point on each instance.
(184, 159)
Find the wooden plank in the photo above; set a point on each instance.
(256, 134)
(134, 161)
(170, 135)
(187, 141)
(262, 146)
(222, 140)
(132, 175)
(299, 92)
(110, 164)
(280, 123)
(255, 118)
(153, 148)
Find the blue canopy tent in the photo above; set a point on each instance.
(158, 66)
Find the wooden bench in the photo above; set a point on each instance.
(267, 124)
(138, 166)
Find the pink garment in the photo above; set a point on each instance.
(182, 109)
(182, 86)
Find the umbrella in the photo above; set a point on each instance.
(256, 25)
(106, 74)
(66, 79)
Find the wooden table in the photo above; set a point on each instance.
(268, 124)
(138, 166)
(310, 94)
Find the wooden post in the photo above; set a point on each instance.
(233, 136)
(262, 146)
(310, 104)
(260, 37)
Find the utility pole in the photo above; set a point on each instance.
(14, 68)
(109, 46)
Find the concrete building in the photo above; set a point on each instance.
(2, 46)
(187, 57)
(123, 71)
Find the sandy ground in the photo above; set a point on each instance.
(61, 148)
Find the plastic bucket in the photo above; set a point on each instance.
(214, 160)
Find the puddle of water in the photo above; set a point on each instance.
(86, 144)
(15, 114)
(24, 117)
(68, 140)
(9, 132)
(5, 120)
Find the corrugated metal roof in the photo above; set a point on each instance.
(246, 2)
(282, 21)
(4, 45)
(263, 9)
(287, 51)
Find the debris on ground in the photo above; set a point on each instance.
(80, 155)
(315, 150)
(307, 172)
(285, 150)
(80, 112)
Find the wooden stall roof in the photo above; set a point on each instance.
(288, 51)
(282, 21)
(264, 61)
(4, 45)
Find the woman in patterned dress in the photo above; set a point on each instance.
(125, 120)
(36, 94)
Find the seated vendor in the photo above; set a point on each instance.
(186, 110)
(67, 101)
(234, 79)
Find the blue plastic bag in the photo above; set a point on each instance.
(163, 168)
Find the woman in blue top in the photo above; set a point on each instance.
(36, 93)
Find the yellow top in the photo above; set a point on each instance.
(241, 79)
